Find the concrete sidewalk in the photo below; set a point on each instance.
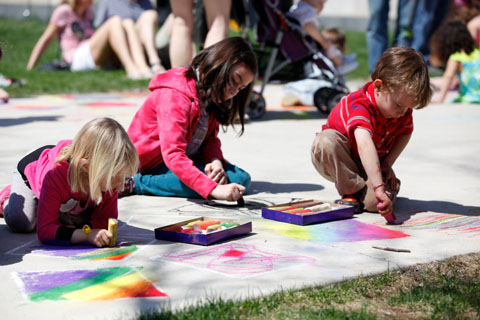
(439, 203)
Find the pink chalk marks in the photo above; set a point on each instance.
(237, 259)
(454, 224)
(349, 230)
(103, 104)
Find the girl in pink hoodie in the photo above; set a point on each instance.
(176, 129)
(69, 191)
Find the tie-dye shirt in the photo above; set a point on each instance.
(469, 77)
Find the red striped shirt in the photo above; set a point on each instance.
(359, 109)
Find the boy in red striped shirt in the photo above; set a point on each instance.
(366, 132)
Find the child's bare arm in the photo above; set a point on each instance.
(371, 164)
(42, 44)
(447, 78)
(398, 146)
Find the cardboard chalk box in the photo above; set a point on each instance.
(296, 216)
(173, 232)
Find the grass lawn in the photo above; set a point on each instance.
(17, 39)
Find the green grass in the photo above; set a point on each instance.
(18, 38)
(441, 290)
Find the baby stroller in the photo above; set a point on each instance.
(288, 41)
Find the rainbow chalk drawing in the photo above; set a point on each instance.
(86, 285)
(335, 231)
(454, 224)
(237, 259)
(85, 252)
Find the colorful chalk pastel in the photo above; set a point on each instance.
(112, 228)
(320, 207)
(214, 227)
(204, 224)
(294, 210)
(190, 224)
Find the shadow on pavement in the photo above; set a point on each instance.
(269, 187)
(410, 207)
(8, 122)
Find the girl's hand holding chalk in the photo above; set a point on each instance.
(229, 192)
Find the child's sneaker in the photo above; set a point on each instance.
(350, 200)
(128, 188)
(4, 195)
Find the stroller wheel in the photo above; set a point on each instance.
(321, 97)
(257, 106)
(334, 99)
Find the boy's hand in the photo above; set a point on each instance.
(99, 237)
(384, 204)
(230, 192)
(214, 171)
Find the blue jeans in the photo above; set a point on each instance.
(377, 29)
(161, 181)
(429, 16)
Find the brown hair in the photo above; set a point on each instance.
(211, 68)
(336, 36)
(402, 68)
(452, 37)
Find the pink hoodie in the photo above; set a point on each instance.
(163, 127)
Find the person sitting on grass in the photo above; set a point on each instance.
(85, 48)
(368, 130)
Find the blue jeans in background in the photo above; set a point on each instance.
(161, 181)
(429, 16)
(377, 29)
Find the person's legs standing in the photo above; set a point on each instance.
(404, 26)
(377, 30)
(218, 17)
(428, 17)
(146, 27)
(181, 50)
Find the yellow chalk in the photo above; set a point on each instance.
(112, 228)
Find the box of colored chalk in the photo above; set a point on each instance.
(203, 230)
(307, 212)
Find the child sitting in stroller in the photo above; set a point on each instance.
(305, 12)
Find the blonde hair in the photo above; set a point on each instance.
(402, 68)
(100, 151)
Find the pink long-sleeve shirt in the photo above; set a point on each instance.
(48, 181)
(163, 127)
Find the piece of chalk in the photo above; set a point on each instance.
(241, 202)
(112, 228)
(320, 207)
(190, 224)
(214, 227)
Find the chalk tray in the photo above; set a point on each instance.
(336, 212)
(172, 232)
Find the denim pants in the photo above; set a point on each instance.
(161, 181)
(332, 157)
(429, 16)
(377, 29)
